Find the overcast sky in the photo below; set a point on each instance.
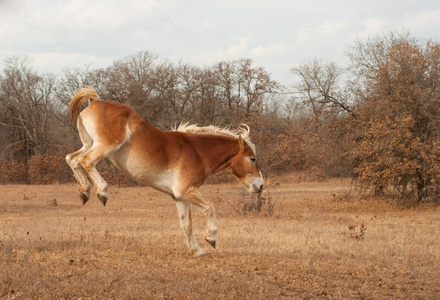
(276, 34)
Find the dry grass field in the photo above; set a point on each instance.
(319, 243)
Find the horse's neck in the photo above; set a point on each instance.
(218, 152)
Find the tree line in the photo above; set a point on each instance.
(375, 120)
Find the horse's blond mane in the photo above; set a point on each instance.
(243, 131)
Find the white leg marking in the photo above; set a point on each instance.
(88, 161)
(193, 196)
(80, 176)
(184, 212)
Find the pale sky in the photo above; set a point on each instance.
(276, 34)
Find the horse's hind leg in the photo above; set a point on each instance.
(81, 178)
(72, 160)
(88, 161)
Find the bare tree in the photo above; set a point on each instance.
(73, 79)
(253, 84)
(166, 94)
(319, 89)
(131, 81)
(326, 110)
(27, 102)
(243, 87)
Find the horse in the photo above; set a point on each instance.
(175, 162)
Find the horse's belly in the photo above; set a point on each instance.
(143, 171)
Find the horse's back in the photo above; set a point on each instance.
(108, 113)
(108, 122)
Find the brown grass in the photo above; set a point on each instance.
(318, 243)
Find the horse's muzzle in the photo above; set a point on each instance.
(257, 185)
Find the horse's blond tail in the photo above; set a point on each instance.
(87, 93)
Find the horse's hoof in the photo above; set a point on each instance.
(200, 252)
(84, 198)
(212, 243)
(103, 197)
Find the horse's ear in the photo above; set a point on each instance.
(241, 143)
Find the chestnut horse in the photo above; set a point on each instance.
(174, 162)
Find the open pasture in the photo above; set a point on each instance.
(318, 243)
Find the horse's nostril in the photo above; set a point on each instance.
(258, 188)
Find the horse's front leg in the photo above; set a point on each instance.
(193, 196)
(184, 212)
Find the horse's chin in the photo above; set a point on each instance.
(253, 190)
(250, 189)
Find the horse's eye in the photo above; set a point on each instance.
(253, 159)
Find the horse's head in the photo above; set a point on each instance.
(244, 165)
